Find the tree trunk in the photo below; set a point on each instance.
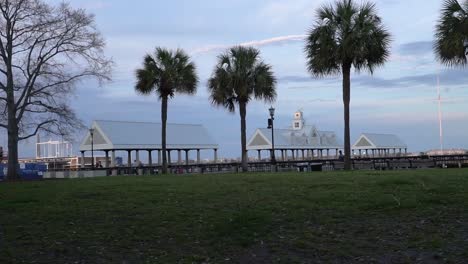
(12, 141)
(12, 125)
(243, 113)
(163, 133)
(346, 101)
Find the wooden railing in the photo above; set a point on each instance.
(384, 163)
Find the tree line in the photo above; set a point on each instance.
(45, 50)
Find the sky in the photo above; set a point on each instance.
(399, 98)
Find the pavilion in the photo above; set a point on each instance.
(379, 145)
(299, 139)
(113, 136)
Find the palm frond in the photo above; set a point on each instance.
(451, 32)
(166, 73)
(240, 76)
(346, 34)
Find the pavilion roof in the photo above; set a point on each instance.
(124, 135)
(370, 140)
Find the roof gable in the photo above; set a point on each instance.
(363, 142)
(258, 140)
(98, 138)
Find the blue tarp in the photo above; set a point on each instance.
(31, 171)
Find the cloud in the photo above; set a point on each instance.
(95, 5)
(416, 48)
(449, 77)
(255, 43)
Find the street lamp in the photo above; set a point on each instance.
(91, 132)
(465, 45)
(270, 125)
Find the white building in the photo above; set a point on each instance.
(113, 136)
(379, 145)
(300, 141)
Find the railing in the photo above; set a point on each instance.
(383, 163)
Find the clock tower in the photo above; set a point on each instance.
(298, 122)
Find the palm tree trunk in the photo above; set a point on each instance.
(243, 113)
(163, 133)
(346, 101)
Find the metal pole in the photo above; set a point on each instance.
(465, 45)
(92, 150)
(273, 158)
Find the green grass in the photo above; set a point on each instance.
(334, 217)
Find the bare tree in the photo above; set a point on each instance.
(44, 51)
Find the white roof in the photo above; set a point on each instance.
(370, 140)
(294, 139)
(123, 135)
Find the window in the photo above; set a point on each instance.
(296, 125)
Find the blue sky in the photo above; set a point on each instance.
(399, 98)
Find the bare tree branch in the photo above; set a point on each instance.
(45, 50)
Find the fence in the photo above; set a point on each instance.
(388, 163)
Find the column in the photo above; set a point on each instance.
(187, 157)
(159, 157)
(113, 158)
(293, 157)
(373, 153)
(215, 155)
(137, 156)
(82, 159)
(168, 157)
(360, 153)
(259, 155)
(198, 157)
(129, 158)
(179, 157)
(328, 153)
(150, 158)
(337, 153)
(106, 162)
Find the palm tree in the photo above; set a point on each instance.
(346, 35)
(240, 76)
(452, 33)
(166, 73)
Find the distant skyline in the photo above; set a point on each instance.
(400, 98)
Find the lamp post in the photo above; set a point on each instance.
(270, 125)
(91, 132)
(465, 45)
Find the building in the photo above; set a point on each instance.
(438, 152)
(300, 141)
(379, 145)
(133, 137)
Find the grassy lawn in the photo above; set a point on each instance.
(331, 217)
